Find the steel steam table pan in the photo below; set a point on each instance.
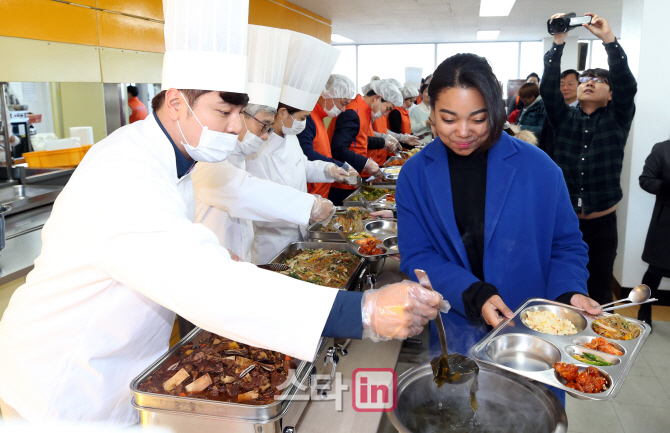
(515, 347)
(195, 406)
(314, 231)
(349, 201)
(356, 277)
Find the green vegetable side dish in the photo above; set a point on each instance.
(589, 358)
(359, 235)
(371, 194)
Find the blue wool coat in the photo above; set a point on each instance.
(532, 243)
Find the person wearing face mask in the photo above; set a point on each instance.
(395, 141)
(228, 198)
(314, 139)
(121, 253)
(473, 211)
(281, 158)
(352, 137)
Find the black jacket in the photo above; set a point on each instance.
(655, 179)
(346, 130)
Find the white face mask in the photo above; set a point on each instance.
(213, 146)
(377, 114)
(250, 143)
(296, 129)
(333, 112)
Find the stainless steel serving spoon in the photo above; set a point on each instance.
(454, 368)
(638, 295)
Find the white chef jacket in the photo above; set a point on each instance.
(120, 257)
(227, 199)
(281, 160)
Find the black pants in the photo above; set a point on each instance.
(600, 234)
(337, 195)
(652, 278)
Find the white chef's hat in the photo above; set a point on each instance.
(206, 45)
(413, 76)
(308, 66)
(267, 50)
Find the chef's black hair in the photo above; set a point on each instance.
(290, 109)
(133, 90)
(193, 95)
(470, 71)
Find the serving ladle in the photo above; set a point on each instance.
(454, 368)
(640, 294)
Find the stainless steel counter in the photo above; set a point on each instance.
(23, 244)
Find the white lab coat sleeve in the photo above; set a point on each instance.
(316, 171)
(241, 195)
(150, 245)
(418, 121)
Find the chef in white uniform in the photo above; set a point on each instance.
(121, 253)
(281, 159)
(227, 198)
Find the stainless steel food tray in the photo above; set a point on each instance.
(388, 174)
(388, 183)
(392, 159)
(515, 347)
(383, 203)
(314, 233)
(210, 408)
(356, 278)
(349, 201)
(386, 230)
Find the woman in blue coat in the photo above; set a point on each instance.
(486, 215)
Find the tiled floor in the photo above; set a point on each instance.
(643, 404)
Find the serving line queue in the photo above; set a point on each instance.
(122, 254)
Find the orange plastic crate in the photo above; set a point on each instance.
(56, 158)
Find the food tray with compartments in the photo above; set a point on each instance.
(314, 232)
(349, 200)
(515, 347)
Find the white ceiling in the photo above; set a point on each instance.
(416, 21)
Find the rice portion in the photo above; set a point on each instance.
(548, 323)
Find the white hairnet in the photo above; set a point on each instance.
(365, 89)
(339, 86)
(394, 82)
(409, 91)
(387, 90)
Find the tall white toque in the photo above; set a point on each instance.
(206, 45)
(308, 67)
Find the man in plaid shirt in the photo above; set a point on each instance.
(589, 146)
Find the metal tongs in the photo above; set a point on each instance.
(275, 267)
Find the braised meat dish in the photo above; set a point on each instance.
(220, 369)
(589, 381)
(327, 268)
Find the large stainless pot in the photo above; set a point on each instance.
(507, 403)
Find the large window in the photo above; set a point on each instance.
(346, 63)
(502, 56)
(532, 59)
(389, 61)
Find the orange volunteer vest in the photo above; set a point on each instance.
(322, 145)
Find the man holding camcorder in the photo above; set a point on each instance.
(590, 140)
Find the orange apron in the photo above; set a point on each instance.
(322, 145)
(406, 125)
(379, 156)
(360, 144)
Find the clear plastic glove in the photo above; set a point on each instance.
(322, 210)
(410, 139)
(372, 167)
(391, 144)
(336, 173)
(382, 214)
(399, 311)
(234, 256)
